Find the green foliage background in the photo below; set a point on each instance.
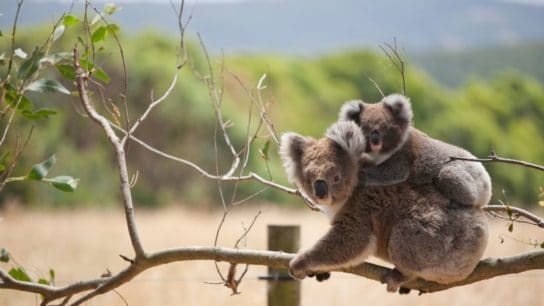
(503, 113)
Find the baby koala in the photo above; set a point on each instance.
(411, 226)
(397, 152)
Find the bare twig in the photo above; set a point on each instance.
(215, 97)
(150, 107)
(216, 239)
(377, 86)
(246, 231)
(19, 148)
(264, 113)
(493, 158)
(516, 210)
(392, 52)
(180, 65)
(123, 93)
(13, 31)
(223, 177)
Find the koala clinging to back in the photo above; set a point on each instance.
(397, 152)
(411, 226)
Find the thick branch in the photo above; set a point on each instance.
(50, 293)
(81, 78)
(487, 268)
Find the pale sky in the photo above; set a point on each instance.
(149, 1)
(526, 2)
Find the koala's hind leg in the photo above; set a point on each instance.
(455, 183)
(394, 280)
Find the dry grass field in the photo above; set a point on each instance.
(83, 244)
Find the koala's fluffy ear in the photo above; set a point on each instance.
(292, 148)
(399, 106)
(351, 111)
(349, 136)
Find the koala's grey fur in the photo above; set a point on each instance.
(412, 226)
(407, 154)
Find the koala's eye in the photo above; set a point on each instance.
(336, 178)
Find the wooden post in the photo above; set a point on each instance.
(282, 289)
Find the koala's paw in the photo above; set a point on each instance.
(393, 280)
(298, 268)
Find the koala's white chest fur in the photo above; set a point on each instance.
(376, 157)
(330, 210)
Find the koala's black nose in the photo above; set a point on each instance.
(375, 137)
(320, 187)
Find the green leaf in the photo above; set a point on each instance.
(99, 34)
(19, 274)
(13, 99)
(101, 75)
(509, 212)
(4, 255)
(264, 150)
(511, 227)
(70, 20)
(43, 113)
(43, 281)
(2, 168)
(113, 28)
(39, 171)
(67, 71)
(59, 30)
(31, 65)
(64, 183)
(51, 276)
(20, 53)
(44, 85)
(81, 40)
(85, 64)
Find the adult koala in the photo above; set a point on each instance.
(415, 227)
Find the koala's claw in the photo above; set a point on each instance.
(321, 277)
(404, 290)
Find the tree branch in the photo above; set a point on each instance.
(81, 77)
(493, 158)
(486, 269)
(516, 210)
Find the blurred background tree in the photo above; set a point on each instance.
(493, 109)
